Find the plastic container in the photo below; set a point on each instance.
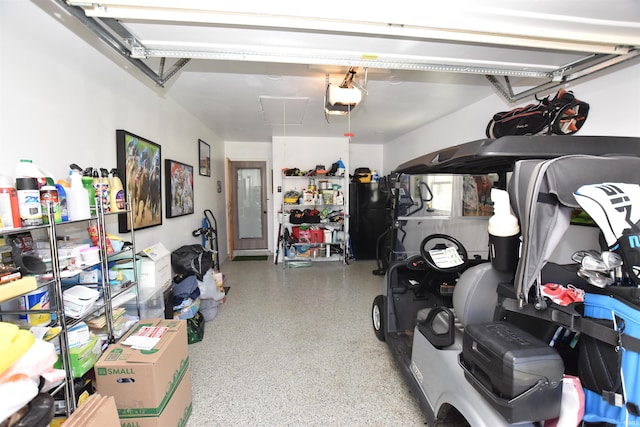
(87, 183)
(29, 201)
(78, 300)
(9, 206)
(519, 374)
(49, 197)
(90, 255)
(125, 269)
(36, 300)
(116, 194)
(102, 188)
(151, 305)
(77, 197)
(504, 234)
(27, 169)
(341, 168)
(62, 198)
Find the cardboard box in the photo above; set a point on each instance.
(95, 411)
(151, 388)
(155, 267)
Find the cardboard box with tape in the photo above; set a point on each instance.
(151, 387)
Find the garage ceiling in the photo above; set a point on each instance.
(252, 70)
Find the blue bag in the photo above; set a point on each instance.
(610, 373)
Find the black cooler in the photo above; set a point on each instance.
(520, 375)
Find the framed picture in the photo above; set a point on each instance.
(178, 180)
(204, 158)
(139, 162)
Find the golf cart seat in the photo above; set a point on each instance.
(475, 297)
(475, 300)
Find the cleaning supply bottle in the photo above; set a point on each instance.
(62, 186)
(77, 196)
(96, 183)
(341, 168)
(27, 169)
(9, 207)
(116, 192)
(49, 198)
(29, 201)
(504, 233)
(104, 190)
(87, 183)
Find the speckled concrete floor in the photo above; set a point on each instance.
(295, 348)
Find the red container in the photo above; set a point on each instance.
(317, 235)
(9, 208)
(307, 235)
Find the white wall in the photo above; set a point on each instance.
(613, 97)
(366, 156)
(61, 102)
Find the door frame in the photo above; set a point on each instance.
(232, 203)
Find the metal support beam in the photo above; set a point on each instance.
(116, 36)
(129, 48)
(560, 78)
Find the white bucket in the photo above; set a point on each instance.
(36, 300)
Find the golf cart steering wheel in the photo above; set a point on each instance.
(452, 262)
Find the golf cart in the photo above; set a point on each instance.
(486, 342)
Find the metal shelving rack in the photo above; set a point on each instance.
(293, 182)
(56, 291)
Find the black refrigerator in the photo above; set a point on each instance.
(369, 211)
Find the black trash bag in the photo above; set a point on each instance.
(191, 260)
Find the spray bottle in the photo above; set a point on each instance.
(504, 233)
(87, 183)
(116, 195)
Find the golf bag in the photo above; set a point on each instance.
(561, 115)
(609, 372)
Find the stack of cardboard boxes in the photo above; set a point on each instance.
(152, 388)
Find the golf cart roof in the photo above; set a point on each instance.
(499, 155)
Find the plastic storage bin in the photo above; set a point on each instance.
(518, 374)
(151, 305)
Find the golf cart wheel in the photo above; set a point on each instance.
(377, 317)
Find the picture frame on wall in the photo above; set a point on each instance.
(204, 158)
(179, 188)
(140, 163)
